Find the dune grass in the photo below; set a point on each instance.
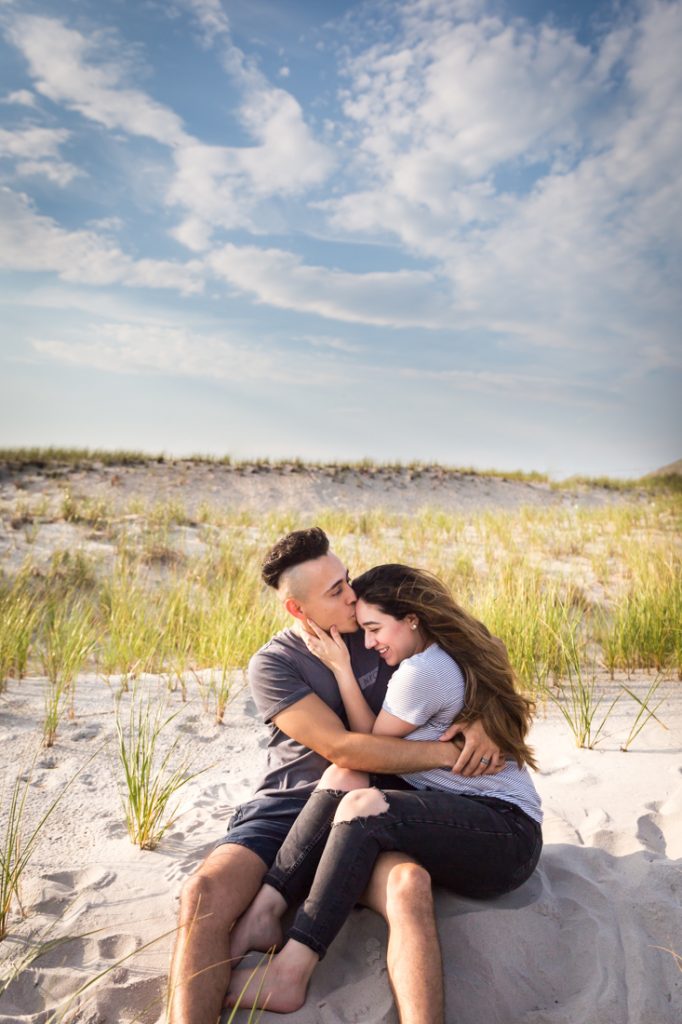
(18, 617)
(20, 838)
(606, 580)
(151, 778)
(68, 638)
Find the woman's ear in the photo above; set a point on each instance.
(413, 621)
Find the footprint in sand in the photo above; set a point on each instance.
(115, 947)
(649, 833)
(88, 878)
(86, 732)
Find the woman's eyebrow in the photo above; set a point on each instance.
(368, 622)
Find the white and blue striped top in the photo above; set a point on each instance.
(428, 691)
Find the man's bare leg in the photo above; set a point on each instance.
(260, 928)
(400, 890)
(212, 900)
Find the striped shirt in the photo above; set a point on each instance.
(428, 691)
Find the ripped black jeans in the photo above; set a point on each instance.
(474, 846)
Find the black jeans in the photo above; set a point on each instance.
(474, 846)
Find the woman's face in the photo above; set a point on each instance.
(393, 639)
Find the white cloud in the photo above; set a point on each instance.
(222, 186)
(406, 298)
(336, 344)
(21, 97)
(526, 386)
(32, 242)
(32, 143)
(57, 171)
(211, 17)
(68, 68)
(215, 186)
(159, 348)
(516, 160)
(36, 152)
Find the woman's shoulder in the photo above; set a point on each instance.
(433, 660)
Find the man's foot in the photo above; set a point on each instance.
(259, 926)
(279, 985)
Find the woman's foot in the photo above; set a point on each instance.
(279, 985)
(259, 926)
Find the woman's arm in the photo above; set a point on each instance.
(332, 651)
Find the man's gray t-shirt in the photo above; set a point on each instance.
(284, 671)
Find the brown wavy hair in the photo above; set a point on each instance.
(491, 683)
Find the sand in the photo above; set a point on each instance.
(587, 939)
(590, 939)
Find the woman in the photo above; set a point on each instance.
(478, 837)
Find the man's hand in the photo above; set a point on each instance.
(328, 647)
(479, 756)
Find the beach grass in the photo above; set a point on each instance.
(20, 837)
(179, 594)
(151, 778)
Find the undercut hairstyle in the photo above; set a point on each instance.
(492, 687)
(297, 547)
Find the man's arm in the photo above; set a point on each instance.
(311, 722)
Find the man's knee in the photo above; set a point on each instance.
(408, 889)
(361, 803)
(198, 894)
(222, 887)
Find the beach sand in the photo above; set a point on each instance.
(590, 938)
(594, 937)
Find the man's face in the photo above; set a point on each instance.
(326, 596)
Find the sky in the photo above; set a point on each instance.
(445, 230)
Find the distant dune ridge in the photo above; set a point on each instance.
(669, 470)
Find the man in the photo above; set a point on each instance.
(299, 699)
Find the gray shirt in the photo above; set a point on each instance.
(284, 671)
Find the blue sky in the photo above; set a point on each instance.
(431, 229)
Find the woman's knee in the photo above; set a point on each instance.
(361, 803)
(342, 778)
(408, 887)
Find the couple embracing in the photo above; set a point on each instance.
(369, 795)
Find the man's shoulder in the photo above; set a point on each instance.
(283, 641)
(284, 648)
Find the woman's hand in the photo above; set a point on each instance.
(328, 647)
(479, 755)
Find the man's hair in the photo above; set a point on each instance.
(297, 547)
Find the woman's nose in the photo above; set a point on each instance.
(369, 641)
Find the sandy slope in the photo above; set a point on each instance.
(312, 488)
(583, 941)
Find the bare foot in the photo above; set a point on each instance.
(259, 926)
(280, 985)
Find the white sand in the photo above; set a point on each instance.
(583, 941)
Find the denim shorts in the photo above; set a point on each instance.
(262, 824)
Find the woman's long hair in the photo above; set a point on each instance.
(491, 693)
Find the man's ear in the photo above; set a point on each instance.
(294, 609)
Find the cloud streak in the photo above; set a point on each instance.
(30, 241)
(406, 298)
